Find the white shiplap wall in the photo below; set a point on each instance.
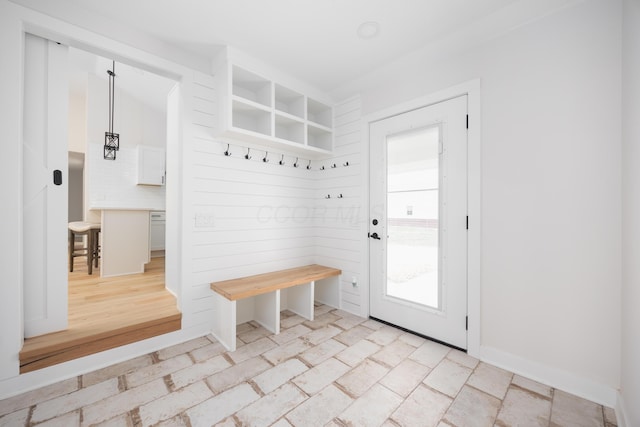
(251, 217)
(340, 223)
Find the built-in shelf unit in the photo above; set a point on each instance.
(258, 110)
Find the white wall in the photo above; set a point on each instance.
(340, 223)
(77, 121)
(550, 189)
(76, 192)
(113, 183)
(630, 369)
(251, 217)
(11, 195)
(173, 194)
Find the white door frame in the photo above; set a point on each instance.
(474, 188)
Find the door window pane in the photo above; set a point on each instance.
(413, 212)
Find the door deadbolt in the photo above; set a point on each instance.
(374, 222)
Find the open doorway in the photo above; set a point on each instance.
(124, 306)
(140, 118)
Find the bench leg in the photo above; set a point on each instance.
(267, 311)
(300, 299)
(224, 324)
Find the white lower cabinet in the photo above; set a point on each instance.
(157, 232)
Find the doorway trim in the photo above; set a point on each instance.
(474, 189)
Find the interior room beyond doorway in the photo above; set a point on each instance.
(105, 313)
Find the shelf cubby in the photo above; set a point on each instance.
(289, 129)
(319, 113)
(248, 117)
(319, 137)
(263, 112)
(251, 86)
(289, 101)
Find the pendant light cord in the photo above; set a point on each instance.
(112, 87)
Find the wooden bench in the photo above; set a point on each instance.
(262, 297)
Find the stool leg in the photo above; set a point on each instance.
(72, 243)
(90, 252)
(96, 242)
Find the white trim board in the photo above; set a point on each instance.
(474, 188)
(554, 377)
(621, 412)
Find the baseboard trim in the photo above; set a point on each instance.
(554, 377)
(621, 412)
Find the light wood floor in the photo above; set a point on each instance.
(106, 313)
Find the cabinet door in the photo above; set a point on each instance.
(151, 165)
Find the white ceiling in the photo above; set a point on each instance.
(148, 88)
(313, 40)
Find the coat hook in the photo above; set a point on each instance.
(345, 164)
(281, 162)
(227, 153)
(328, 196)
(265, 159)
(309, 165)
(295, 165)
(340, 196)
(247, 156)
(333, 166)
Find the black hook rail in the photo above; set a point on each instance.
(282, 161)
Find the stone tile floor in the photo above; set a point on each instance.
(339, 370)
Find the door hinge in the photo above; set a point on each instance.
(467, 121)
(466, 323)
(467, 222)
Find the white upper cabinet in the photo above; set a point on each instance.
(258, 110)
(151, 165)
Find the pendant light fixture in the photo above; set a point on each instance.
(111, 140)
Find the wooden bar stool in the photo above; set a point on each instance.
(92, 250)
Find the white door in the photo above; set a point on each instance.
(44, 201)
(418, 221)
